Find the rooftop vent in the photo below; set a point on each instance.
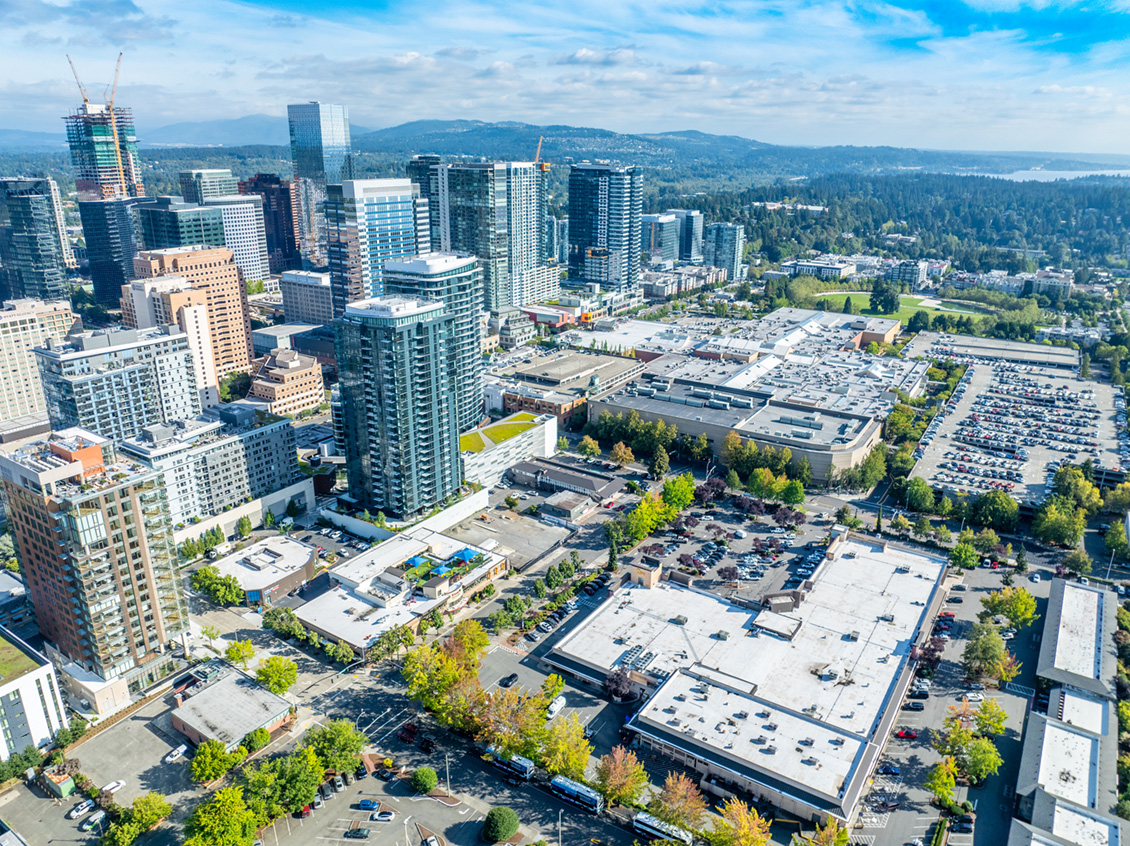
(770, 750)
(721, 635)
(680, 620)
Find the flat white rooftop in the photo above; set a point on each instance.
(1069, 764)
(343, 615)
(1085, 712)
(1078, 826)
(1078, 645)
(264, 563)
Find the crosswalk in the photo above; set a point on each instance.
(862, 840)
(1020, 689)
(873, 820)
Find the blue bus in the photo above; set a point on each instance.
(515, 765)
(656, 829)
(577, 793)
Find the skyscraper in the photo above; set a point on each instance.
(723, 246)
(531, 280)
(422, 172)
(245, 233)
(457, 282)
(104, 152)
(25, 324)
(660, 234)
(605, 203)
(111, 243)
(196, 186)
(280, 219)
(369, 222)
(690, 234)
(33, 244)
(172, 222)
(95, 543)
(398, 404)
(321, 153)
(563, 241)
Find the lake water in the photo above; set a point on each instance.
(1053, 175)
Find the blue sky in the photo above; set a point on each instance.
(952, 74)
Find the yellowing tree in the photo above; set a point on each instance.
(680, 802)
(990, 718)
(566, 751)
(620, 777)
(1015, 603)
(621, 454)
(739, 825)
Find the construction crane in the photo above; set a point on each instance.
(537, 155)
(81, 87)
(114, 126)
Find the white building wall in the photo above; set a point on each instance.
(31, 708)
(245, 233)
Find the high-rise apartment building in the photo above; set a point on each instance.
(33, 244)
(307, 297)
(690, 234)
(61, 224)
(24, 325)
(213, 273)
(115, 381)
(423, 174)
(321, 153)
(172, 222)
(370, 222)
(244, 233)
(103, 148)
(95, 544)
(218, 460)
(280, 219)
(724, 246)
(660, 234)
(551, 244)
(110, 230)
(531, 280)
(457, 282)
(605, 204)
(398, 404)
(196, 186)
(563, 241)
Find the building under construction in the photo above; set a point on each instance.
(104, 152)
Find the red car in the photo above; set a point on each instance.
(907, 734)
(408, 733)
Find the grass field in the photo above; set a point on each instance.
(471, 442)
(835, 302)
(500, 432)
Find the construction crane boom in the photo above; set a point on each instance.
(114, 128)
(81, 87)
(537, 155)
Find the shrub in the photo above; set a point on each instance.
(424, 780)
(501, 824)
(256, 740)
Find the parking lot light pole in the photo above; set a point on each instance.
(447, 766)
(559, 828)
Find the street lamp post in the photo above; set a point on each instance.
(559, 828)
(447, 767)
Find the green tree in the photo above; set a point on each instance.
(277, 674)
(1021, 559)
(942, 533)
(501, 824)
(224, 820)
(621, 454)
(792, 492)
(1084, 366)
(240, 653)
(981, 759)
(885, 297)
(211, 761)
(1015, 603)
(680, 803)
(234, 387)
(923, 526)
(942, 780)
(847, 309)
(982, 650)
(149, 809)
(337, 744)
(995, 509)
(963, 556)
(122, 832)
(283, 621)
(986, 541)
(511, 502)
(299, 775)
(620, 777)
(424, 780)
(660, 463)
(210, 634)
(255, 740)
(1115, 539)
(243, 526)
(919, 496)
(990, 718)
(678, 492)
(1077, 562)
(588, 447)
(562, 444)
(539, 589)
(566, 751)
(919, 321)
(900, 524)
(1072, 484)
(269, 519)
(261, 790)
(1059, 521)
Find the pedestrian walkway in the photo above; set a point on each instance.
(1020, 689)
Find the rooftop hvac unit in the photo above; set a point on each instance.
(808, 741)
(722, 635)
(680, 620)
(771, 727)
(770, 750)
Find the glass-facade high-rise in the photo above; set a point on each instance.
(111, 244)
(280, 219)
(690, 234)
(422, 171)
(397, 406)
(196, 186)
(369, 222)
(723, 246)
(660, 234)
(172, 222)
(32, 255)
(103, 148)
(457, 282)
(605, 205)
(321, 153)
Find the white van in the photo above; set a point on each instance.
(555, 707)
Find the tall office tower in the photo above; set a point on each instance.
(660, 235)
(723, 246)
(104, 152)
(61, 224)
(605, 203)
(307, 297)
(551, 249)
(32, 240)
(369, 222)
(690, 234)
(95, 544)
(423, 174)
(212, 272)
(457, 282)
(171, 222)
(280, 219)
(321, 154)
(196, 186)
(244, 233)
(110, 230)
(114, 382)
(563, 241)
(398, 404)
(25, 324)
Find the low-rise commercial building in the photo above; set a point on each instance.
(560, 384)
(549, 475)
(826, 267)
(280, 336)
(227, 706)
(270, 569)
(288, 382)
(16, 610)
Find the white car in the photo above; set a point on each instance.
(555, 707)
(114, 786)
(973, 696)
(176, 754)
(1035, 577)
(84, 807)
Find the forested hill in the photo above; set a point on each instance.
(981, 223)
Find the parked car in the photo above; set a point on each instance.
(918, 694)
(382, 816)
(508, 680)
(427, 745)
(93, 820)
(319, 802)
(84, 807)
(914, 706)
(888, 769)
(361, 773)
(369, 804)
(907, 734)
(176, 754)
(962, 827)
(305, 812)
(356, 834)
(955, 600)
(975, 696)
(113, 787)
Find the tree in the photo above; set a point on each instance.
(255, 740)
(210, 633)
(588, 447)
(277, 674)
(225, 820)
(830, 834)
(986, 541)
(122, 832)
(562, 444)
(1115, 539)
(1078, 562)
(1084, 366)
(501, 823)
(942, 533)
(337, 744)
(240, 652)
(621, 454)
(680, 802)
(269, 519)
(1021, 559)
(900, 524)
(620, 777)
(678, 492)
(1005, 668)
(261, 790)
(513, 721)
(919, 321)
(1015, 603)
(847, 309)
(617, 683)
(222, 590)
(922, 526)
(1059, 521)
(739, 825)
(660, 463)
(283, 622)
(919, 496)
(963, 556)
(792, 492)
(234, 386)
(148, 810)
(243, 526)
(995, 509)
(942, 780)
(733, 480)
(293, 509)
(211, 761)
(984, 647)
(511, 502)
(424, 780)
(566, 751)
(298, 776)
(982, 759)
(990, 718)
(1072, 484)
(539, 589)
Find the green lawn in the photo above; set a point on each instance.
(14, 662)
(471, 442)
(835, 302)
(500, 432)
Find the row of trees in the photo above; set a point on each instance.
(202, 545)
(222, 590)
(967, 745)
(131, 822)
(285, 623)
(747, 458)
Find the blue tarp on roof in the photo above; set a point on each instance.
(442, 570)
